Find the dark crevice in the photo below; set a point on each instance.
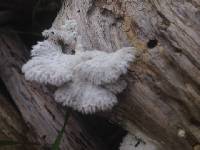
(30, 22)
(195, 122)
(50, 112)
(152, 43)
(101, 128)
(178, 50)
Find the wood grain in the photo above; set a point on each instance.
(42, 116)
(163, 97)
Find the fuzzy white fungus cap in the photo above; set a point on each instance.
(116, 87)
(49, 65)
(87, 81)
(85, 97)
(105, 67)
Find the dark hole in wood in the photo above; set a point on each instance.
(152, 43)
(44, 137)
(195, 122)
(100, 128)
(178, 50)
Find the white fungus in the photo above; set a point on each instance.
(87, 81)
(131, 142)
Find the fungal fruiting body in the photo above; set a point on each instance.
(105, 67)
(50, 65)
(131, 142)
(85, 97)
(87, 81)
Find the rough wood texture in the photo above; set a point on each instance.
(162, 101)
(163, 97)
(41, 115)
(12, 125)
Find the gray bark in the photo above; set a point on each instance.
(163, 96)
(39, 112)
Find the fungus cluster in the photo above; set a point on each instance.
(87, 81)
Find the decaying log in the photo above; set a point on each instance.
(163, 97)
(39, 111)
(162, 101)
(12, 125)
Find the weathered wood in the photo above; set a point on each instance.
(162, 100)
(12, 126)
(35, 103)
(163, 97)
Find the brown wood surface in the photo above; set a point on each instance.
(163, 95)
(40, 113)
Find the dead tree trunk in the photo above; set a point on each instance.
(39, 114)
(162, 101)
(163, 97)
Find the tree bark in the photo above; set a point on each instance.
(163, 97)
(39, 112)
(162, 101)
